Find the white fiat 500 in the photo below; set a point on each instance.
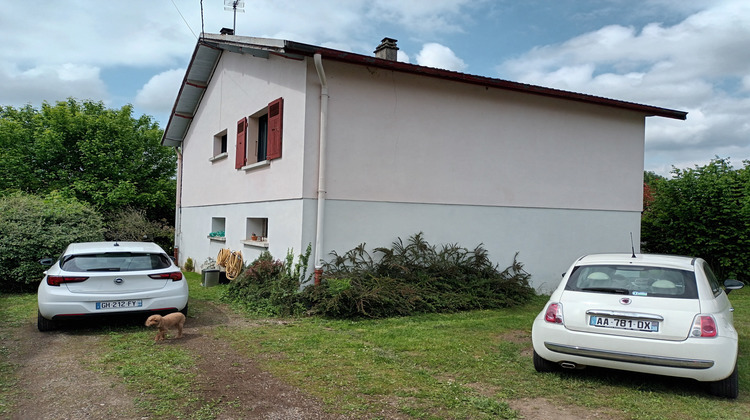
(656, 314)
(105, 278)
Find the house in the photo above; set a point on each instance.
(283, 144)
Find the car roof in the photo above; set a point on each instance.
(94, 247)
(652, 260)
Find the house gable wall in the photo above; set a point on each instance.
(243, 85)
(396, 137)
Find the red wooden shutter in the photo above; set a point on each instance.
(275, 118)
(241, 157)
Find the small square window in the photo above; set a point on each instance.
(256, 229)
(218, 226)
(220, 145)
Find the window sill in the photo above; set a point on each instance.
(256, 165)
(256, 244)
(218, 238)
(218, 157)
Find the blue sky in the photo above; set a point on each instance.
(690, 55)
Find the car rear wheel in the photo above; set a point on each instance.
(185, 310)
(44, 324)
(543, 365)
(728, 387)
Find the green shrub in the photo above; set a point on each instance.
(270, 287)
(132, 224)
(415, 278)
(702, 212)
(189, 265)
(32, 228)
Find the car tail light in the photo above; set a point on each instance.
(174, 276)
(704, 326)
(58, 280)
(554, 313)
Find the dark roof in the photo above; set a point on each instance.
(209, 48)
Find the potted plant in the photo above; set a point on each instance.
(254, 237)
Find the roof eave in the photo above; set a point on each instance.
(200, 70)
(480, 80)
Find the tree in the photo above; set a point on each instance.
(33, 227)
(649, 179)
(703, 212)
(101, 156)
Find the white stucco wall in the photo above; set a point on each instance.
(402, 138)
(464, 164)
(547, 240)
(241, 86)
(285, 229)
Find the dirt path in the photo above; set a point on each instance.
(54, 382)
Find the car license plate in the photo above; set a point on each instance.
(624, 324)
(119, 304)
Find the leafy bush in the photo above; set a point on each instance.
(32, 228)
(702, 212)
(189, 265)
(132, 224)
(415, 278)
(271, 287)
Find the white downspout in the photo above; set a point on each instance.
(321, 167)
(178, 207)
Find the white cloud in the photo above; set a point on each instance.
(746, 83)
(440, 56)
(159, 93)
(50, 83)
(404, 57)
(693, 65)
(422, 16)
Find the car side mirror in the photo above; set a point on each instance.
(47, 261)
(732, 284)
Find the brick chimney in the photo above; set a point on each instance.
(387, 49)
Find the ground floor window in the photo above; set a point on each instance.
(218, 229)
(256, 231)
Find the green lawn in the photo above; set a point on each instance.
(467, 365)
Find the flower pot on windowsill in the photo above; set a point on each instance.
(254, 238)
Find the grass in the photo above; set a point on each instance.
(161, 374)
(15, 310)
(467, 365)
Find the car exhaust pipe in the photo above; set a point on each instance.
(568, 365)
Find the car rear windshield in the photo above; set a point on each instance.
(634, 280)
(115, 261)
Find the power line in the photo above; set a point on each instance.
(184, 20)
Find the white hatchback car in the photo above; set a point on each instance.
(656, 314)
(105, 278)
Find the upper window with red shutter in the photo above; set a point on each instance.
(263, 133)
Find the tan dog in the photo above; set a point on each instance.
(164, 323)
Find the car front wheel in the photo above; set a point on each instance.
(728, 387)
(43, 324)
(543, 365)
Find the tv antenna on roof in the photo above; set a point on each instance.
(235, 6)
